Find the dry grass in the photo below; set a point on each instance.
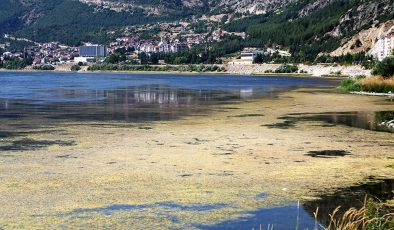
(377, 84)
(370, 216)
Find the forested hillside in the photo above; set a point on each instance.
(71, 21)
(304, 27)
(322, 30)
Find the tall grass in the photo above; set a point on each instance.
(377, 84)
(370, 84)
(372, 216)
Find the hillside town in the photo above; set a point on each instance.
(55, 53)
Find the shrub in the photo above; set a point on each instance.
(44, 67)
(384, 68)
(75, 68)
(350, 85)
(287, 69)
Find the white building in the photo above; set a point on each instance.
(84, 59)
(383, 47)
(248, 55)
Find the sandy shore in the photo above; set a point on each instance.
(196, 170)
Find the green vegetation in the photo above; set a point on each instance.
(116, 58)
(75, 68)
(371, 216)
(360, 58)
(372, 84)
(15, 45)
(10, 11)
(44, 67)
(287, 69)
(383, 82)
(305, 37)
(71, 22)
(385, 68)
(128, 67)
(207, 54)
(351, 85)
(15, 63)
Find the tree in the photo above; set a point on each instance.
(384, 68)
(224, 19)
(258, 58)
(358, 43)
(116, 58)
(143, 58)
(154, 58)
(75, 68)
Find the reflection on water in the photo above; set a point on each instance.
(365, 120)
(41, 100)
(55, 96)
(141, 103)
(374, 121)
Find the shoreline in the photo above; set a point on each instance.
(373, 94)
(306, 75)
(315, 70)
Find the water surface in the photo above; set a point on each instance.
(130, 97)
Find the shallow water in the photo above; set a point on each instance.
(42, 100)
(372, 120)
(290, 216)
(37, 100)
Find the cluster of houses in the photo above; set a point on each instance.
(151, 45)
(56, 53)
(51, 53)
(46, 53)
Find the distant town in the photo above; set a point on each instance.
(55, 53)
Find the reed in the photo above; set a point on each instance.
(369, 217)
(377, 84)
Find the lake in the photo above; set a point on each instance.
(110, 147)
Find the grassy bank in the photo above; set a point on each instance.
(149, 68)
(371, 84)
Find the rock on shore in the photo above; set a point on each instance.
(315, 70)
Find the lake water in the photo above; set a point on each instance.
(36, 100)
(126, 97)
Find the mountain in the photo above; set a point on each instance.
(71, 21)
(311, 28)
(305, 27)
(162, 6)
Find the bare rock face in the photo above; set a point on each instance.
(254, 6)
(363, 16)
(312, 7)
(241, 6)
(364, 19)
(367, 38)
